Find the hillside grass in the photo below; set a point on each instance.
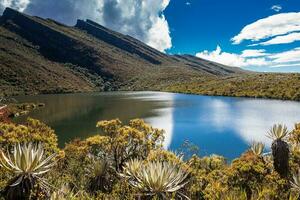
(285, 86)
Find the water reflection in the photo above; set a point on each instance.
(220, 125)
(164, 116)
(226, 125)
(255, 117)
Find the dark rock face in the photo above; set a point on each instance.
(112, 38)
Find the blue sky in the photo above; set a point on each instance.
(199, 25)
(205, 23)
(261, 35)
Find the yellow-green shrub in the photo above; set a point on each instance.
(32, 131)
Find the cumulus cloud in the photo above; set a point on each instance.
(142, 19)
(66, 11)
(250, 58)
(19, 5)
(283, 39)
(271, 26)
(276, 8)
(232, 59)
(290, 56)
(254, 53)
(281, 28)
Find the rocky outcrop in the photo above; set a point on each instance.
(118, 40)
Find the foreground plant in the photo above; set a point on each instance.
(280, 149)
(100, 176)
(65, 193)
(295, 183)
(125, 142)
(159, 179)
(257, 148)
(27, 163)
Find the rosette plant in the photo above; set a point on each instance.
(257, 148)
(280, 149)
(159, 179)
(27, 163)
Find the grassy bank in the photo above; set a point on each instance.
(263, 85)
(129, 163)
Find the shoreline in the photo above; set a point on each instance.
(166, 91)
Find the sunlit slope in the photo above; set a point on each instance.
(43, 56)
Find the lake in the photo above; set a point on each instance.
(218, 125)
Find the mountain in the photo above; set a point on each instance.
(44, 56)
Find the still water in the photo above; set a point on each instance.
(219, 125)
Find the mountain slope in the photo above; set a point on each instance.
(43, 56)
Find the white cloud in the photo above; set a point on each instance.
(188, 3)
(283, 39)
(276, 29)
(159, 35)
(254, 53)
(232, 59)
(290, 56)
(19, 5)
(142, 19)
(271, 26)
(250, 58)
(276, 8)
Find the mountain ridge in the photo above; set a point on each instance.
(90, 57)
(40, 56)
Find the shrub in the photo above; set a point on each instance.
(123, 143)
(32, 131)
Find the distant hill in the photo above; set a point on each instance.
(44, 56)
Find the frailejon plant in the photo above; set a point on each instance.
(65, 193)
(280, 149)
(159, 179)
(257, 148)
(100, 175)
(295, 183)
(27, 163)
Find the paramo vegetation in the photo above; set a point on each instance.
(128, 162)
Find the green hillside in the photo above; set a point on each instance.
(43, 56)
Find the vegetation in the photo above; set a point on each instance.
(296, 181)
(280, 149)
(27, 164)
(159, 179)
(128, 162)
(18, 109)
(11, 108)
(257, 85)
(44, 56)
(257, 148)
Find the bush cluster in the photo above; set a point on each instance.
(128, 162)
